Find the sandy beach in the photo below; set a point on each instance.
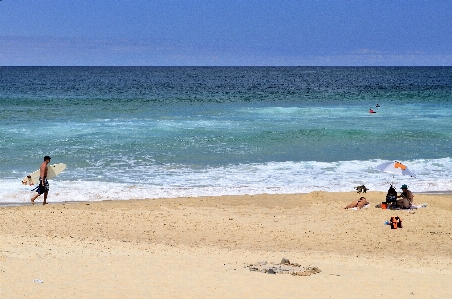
(202, 248)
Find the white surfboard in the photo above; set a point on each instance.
(52, 171)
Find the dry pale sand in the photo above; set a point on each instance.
(200, 247)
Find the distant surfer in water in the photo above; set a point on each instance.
(371, 111)
(43, 186)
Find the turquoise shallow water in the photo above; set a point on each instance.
(148, 132)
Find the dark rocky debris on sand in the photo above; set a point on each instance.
(284, 267)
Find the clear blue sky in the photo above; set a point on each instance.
(235, 32)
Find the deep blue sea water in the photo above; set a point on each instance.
(152, 132)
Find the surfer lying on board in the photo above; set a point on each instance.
(43, 186)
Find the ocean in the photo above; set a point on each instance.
(160, 132)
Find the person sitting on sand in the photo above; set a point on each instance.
(360, 203)
(406, 198)
(391, 196)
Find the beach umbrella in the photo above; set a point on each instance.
(395, 167)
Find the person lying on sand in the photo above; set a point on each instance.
(360, 203)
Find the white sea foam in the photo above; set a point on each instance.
(215, 131)
(273, 178)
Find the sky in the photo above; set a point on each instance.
(226, 33)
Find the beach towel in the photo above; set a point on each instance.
(356, 208)
(412, 207)
(418, 206)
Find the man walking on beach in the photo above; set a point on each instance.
(43, 183)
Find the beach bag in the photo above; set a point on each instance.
(391, 198)
(393, 222)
